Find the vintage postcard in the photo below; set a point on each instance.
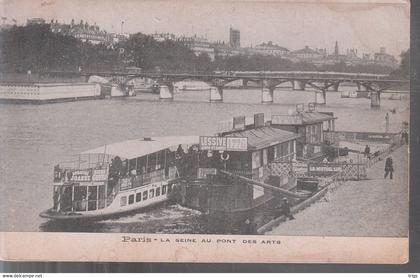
(204, 131)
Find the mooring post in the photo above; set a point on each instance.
(267, 95)
(334, 88)
(216, 93)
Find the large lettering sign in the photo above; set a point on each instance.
(203, 172)
(217, 143)
(324, 169)
(286, 120)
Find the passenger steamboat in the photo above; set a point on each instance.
(117, 178)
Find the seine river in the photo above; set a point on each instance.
(33, 138)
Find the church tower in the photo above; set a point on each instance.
(336, 53)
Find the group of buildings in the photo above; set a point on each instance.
(81, 30)
(319, 57)
(200, 45)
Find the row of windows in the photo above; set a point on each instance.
(21, 93)
(147, 194)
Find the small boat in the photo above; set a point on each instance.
(117, 178)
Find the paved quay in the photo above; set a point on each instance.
(373, 207)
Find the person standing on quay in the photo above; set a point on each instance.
(285, 208)
(388, 168)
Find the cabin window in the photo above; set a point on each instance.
(138, 197)
(80, 194)
(264, 152)
(92, 197)
(256, 159)
(131, 199)
(145, 195)
(141, 165)
(163, 189)
(160, 160)
(123, 201)
(151, 193)
(158, 191)
(151, 162)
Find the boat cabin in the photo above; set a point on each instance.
(311, 126)
(263, 147)
(100, 175)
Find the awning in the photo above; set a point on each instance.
(316, 117)
(139, 147)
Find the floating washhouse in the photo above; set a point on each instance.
(241, 168)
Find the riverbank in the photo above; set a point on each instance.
(373, 207)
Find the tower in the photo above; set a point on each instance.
(336, 52)
(234, 38)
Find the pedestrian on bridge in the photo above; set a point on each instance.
(389, 168)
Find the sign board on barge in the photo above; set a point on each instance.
(218, 143)
(286, 120)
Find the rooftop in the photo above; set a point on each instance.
(263, 137)
(140, 147)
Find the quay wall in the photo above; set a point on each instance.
(48, 92)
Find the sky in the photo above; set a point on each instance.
(363, 24)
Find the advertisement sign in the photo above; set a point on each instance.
(203, 172)
(286, 120)
(324, 169)
(217, 143)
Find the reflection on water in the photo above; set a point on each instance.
(33, 138)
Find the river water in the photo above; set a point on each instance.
(33, 138)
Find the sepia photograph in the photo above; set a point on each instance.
(177, 125)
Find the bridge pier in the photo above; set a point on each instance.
(298, 85)
(321, 97)
(361, 88)
(375, 100)
(267, 95)
(334, 88)
(166, 92)
(216, 93)
(245, 83)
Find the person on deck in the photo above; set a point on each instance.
(285, 208)
(389, 169)
(367, 151)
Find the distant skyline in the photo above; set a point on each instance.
(294, 25)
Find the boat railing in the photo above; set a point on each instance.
(85, 205)
(135, 181)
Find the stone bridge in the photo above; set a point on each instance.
(267, 81)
